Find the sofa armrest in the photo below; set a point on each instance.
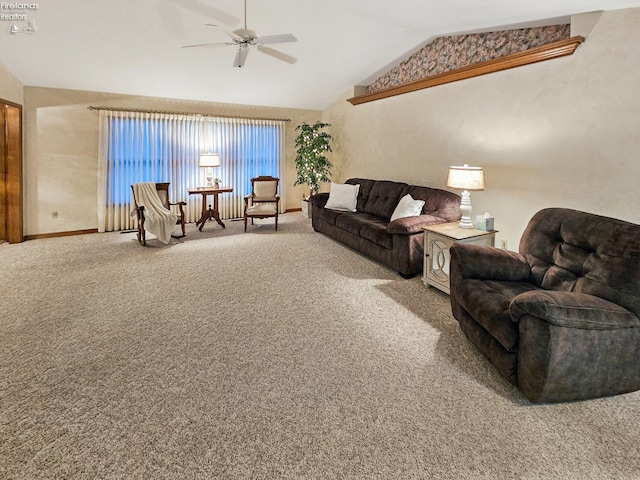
(573, 310)
(414, 224)
(319, 199)
(488, 263)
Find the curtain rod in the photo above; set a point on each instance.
(137, 110)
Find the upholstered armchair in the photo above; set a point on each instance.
(264, 201)
(559, 319)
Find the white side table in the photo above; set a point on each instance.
(437, 240)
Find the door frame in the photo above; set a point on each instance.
(12, 157)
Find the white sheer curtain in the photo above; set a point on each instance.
(247, 148)
(154, 147)
(145, 147)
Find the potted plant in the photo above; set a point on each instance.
(312, 166)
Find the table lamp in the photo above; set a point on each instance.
(208, 161)
(467, 179)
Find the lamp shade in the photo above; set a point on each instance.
(209, 160)
(466, 178)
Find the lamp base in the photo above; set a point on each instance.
(209, 177)
(465, 210)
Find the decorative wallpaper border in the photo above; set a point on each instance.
(445, 54)
(550, 51)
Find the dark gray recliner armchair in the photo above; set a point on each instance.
(559, 319)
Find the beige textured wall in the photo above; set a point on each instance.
(10, 86)
(61, 150)
(565, 132)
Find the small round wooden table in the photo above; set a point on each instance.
(209, 213)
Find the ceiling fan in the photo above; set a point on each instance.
(245, 38)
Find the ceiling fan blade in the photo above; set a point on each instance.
(233, 36)
(278, 54)
(171, 19)
(225, 44)
(241, 57)
(207, 10)
(284, 38)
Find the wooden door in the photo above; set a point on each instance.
(11, 191)
(3, 175)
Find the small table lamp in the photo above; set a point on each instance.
(209, 160)
(466, 178)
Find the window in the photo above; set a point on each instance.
(150, 147)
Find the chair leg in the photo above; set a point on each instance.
(245, 223)
(141, 236)
(181, 222)
(141, 233)
(276, 222)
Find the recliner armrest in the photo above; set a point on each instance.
(489, 263)
(414, 224)
(572, 309)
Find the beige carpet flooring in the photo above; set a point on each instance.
(265, 355)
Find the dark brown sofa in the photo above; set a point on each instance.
(397, 244)
(559, 319)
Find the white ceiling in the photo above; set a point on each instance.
(133, 46)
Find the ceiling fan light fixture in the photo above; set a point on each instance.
(246, 34)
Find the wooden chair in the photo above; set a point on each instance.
(263, 201)
(163, 194)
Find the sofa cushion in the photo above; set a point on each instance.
(384, 197)
(439, 203)
(577, 251)
(377, 233)
(366, 185)
(327, 215)
(367, 226)
(350, 222)
(487, 302)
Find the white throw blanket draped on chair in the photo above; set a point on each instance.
(158, 220)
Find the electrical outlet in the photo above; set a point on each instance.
(54, 214)
(504, 244)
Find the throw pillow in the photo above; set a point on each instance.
(407, 207)
(343, 197)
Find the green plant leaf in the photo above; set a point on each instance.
(312, 166)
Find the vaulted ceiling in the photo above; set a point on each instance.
(134, 46)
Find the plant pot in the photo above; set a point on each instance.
(306, 207)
